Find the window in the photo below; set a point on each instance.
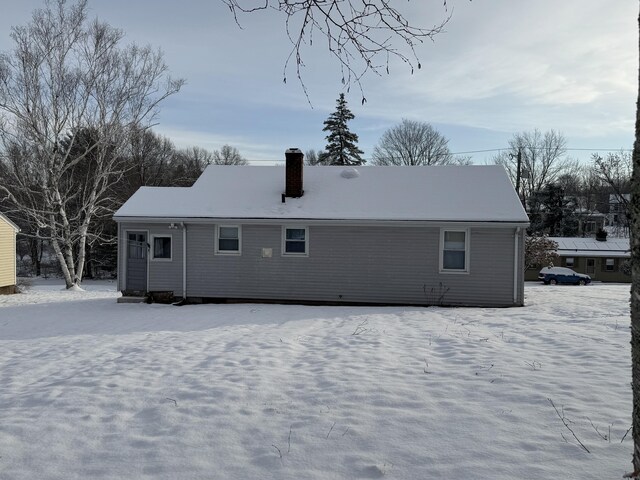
(137, 246)
(161, 245)
(569, 262)
(228, 240)
(296, 240)
(455, 248)
(610, 265)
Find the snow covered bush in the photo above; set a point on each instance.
(539, 252)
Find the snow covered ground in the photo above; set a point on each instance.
(94, 389)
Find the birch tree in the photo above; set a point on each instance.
(70, 94)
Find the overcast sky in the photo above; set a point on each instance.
(501, 67)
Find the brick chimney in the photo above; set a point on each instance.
(293, 175)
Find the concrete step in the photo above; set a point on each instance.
(131, 299)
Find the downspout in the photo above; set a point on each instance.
(120, 261)
(184, 261)
(516, 257)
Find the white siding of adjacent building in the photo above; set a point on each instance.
(7, 253)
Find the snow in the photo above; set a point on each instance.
(475, 193)
(75, 288)
(612, 247)
(94, 389)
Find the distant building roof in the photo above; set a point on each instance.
(477, 193)
(590, 247)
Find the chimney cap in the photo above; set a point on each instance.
(293, 150)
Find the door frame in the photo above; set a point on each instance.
(586, 267)
(126, 255)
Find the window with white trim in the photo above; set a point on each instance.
(455, 251)
(161, 247)
(228, 238)
(569, 262)
(610, 265)
(295, 241)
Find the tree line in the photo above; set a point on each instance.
(410, 143)
(561, 195)
(144, 159)
(76, 109)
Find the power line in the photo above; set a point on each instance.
(498, 150)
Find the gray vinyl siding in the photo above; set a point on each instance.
(386, 265)
(355, 264)
(164, 275)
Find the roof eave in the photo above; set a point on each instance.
(321, 221)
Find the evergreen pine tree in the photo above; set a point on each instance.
(342, 148)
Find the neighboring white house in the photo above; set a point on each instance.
(8, 231)
(446, 235)
(618, 211)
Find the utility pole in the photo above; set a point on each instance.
(518, 172)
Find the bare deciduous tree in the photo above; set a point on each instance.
(188, 164)
(148, 161)
(412, 143)
(228, 155)
(70, 94)
(310, 157)
(543, 158)
(614, 171)
(357, 33)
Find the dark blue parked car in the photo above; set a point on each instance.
(555, 275)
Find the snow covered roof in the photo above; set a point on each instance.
(590, 247)
(477, 193)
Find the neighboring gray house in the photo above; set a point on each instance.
(437, 235)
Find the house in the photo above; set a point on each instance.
(603, 260)
(445, 235)
(8, 231)
(618, 219)
(590, 222)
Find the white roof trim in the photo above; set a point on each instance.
(315, 221)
